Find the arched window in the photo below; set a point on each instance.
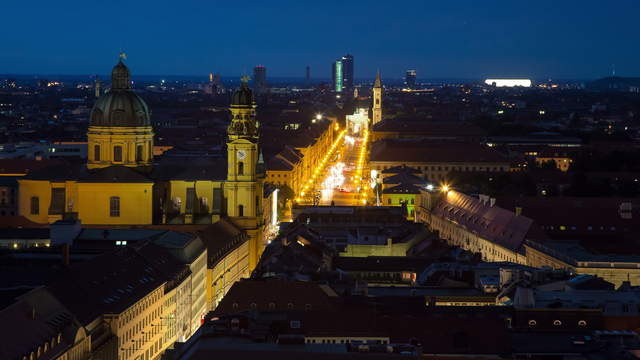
(240, 210)
(240, 168)
(96, 152)
(139, 150)
(117, 153)
(114, 206)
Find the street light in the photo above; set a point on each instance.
(445, 188)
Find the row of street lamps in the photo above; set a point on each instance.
(321, 166)
(360, 166)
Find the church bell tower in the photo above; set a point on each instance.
(377, 99)
(244, 185)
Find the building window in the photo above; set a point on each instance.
(114, 206)
(35, 205)
(389, 201)
(582, 323)
(240, 210)
(240, 168)
(217, 200)
(117, 153)
(96, 153)
(57, 201)
(139, 150)
(532, 323)
(191, 196)
(557, 322)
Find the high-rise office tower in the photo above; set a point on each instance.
(377, 100)
(410, 79)
(347, 71)
(260, 78)
(336, 72)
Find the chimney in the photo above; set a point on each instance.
(65, 254)
(518, 210)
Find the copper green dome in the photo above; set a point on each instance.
(120, 107)
(243, 96)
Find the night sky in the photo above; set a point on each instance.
(440, 39)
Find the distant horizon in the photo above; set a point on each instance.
(36, 76)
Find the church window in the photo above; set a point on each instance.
(117, 153)
(240, 210)
(35, 205)
(96, 152)
(114, 206)
(217, 200)
(139, 150)
(57, 201)
(240, 168)
(191, 196)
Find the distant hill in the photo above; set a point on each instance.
(615, 83)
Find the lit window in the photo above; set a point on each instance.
(532, 323)
(557, 322)
(582, 323)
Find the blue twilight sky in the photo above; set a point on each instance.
(440, 39)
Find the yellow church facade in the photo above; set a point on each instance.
(121, 184)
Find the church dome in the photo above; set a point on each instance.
(120, 107)
(242, 96)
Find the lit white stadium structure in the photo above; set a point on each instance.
(508, 82)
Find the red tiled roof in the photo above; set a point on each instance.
(25, 166)
(279, 292)
(436, 152)
(493, 223)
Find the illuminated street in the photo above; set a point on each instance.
(342, 184)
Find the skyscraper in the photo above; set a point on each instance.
(410, 79)
(347, 71)
(336, 72)
(260, 78)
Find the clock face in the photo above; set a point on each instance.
(242, 154)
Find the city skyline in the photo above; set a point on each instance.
(438, 40)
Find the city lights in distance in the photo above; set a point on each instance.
(508, 82)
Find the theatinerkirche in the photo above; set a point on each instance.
(122, 183)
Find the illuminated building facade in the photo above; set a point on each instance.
(297, 162)
(336, 72)
(120, 186)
